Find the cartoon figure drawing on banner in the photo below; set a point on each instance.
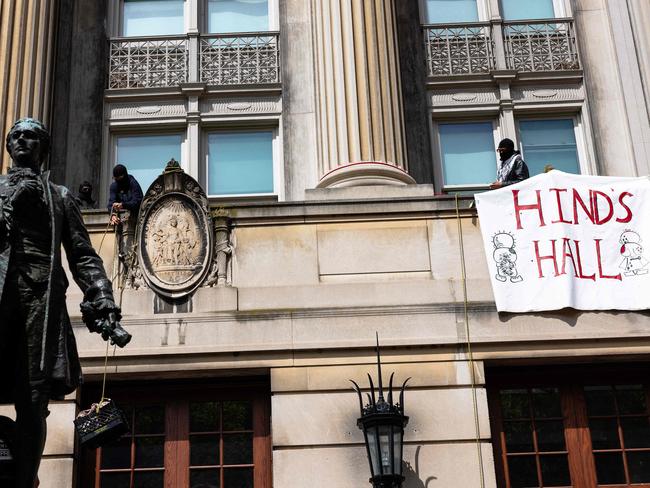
(505, 257)
(632, 251)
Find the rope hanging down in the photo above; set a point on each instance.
(470, 355)
(119, 304)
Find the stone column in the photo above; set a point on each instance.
(27, 47)
(358, 94)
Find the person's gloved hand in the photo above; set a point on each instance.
(95, 313)
(105, 306)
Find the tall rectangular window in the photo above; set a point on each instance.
(145, 156)
(186, 436)
(527, 9)
(467, 153)
(238, 16)
(450, 11)
(152, 17)
(549, 142)
(571, 426)
(240, 162)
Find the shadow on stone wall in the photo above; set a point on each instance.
(413, 479)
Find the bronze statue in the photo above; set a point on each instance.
(38, 354)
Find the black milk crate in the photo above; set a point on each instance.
(99, 426)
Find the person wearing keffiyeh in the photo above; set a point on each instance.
(512, 168)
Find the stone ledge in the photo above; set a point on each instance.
(342, 205)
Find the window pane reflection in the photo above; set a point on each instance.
(115, 480)
(546, 403)
(468, 153)
(152, 17)
(604, 434)
(238, 448)
(237, 416)
(600, 400)
(204, 417)
(148, 479)
(550, 435)
(146, 156)
(523, 471)
(238, 16)
(555, 470)
(549, 142)
(238, 478)
(240, 162)
(204, 478)
(117, 455)
(515, 404)
(204, 450)
(631, 399)
(639, 466)
(149, 452)
(519, 436)
(609, 468)
(636, 432)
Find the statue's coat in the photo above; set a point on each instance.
(56, 359)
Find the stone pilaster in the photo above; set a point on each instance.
(27, 47)
(358, 94)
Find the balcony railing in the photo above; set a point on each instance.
(151, 62)
(147, 62)
(541, 45)
(243, 60)
(461, 49)
(477, 48)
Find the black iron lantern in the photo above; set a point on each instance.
(383, 422)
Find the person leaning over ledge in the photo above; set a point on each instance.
(124, 194)
(512, 169)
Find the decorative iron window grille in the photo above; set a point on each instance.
(541, 45)
(147, 62)
(248, 59)
(460, 49)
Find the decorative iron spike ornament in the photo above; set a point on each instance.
(382, 423)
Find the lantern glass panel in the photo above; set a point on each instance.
(373, 450)
(397, 452)
(385, 447)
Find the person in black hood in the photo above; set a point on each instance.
(512, 169)
(125, 194)
(85, 196)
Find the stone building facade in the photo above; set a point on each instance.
(330, 139)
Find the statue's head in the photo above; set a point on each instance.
(28, 142)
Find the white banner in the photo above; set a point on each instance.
(561, 240)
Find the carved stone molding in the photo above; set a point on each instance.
(444, 98)
(241, 105)
(538, 94)
(127, 111)
(174, 235)
(221, 270)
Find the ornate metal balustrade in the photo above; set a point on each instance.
(541, 45)
(248, 59)
(458, 49)
(147, 62)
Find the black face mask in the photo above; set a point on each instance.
(123, 184)
(506, 154)
(86, 194)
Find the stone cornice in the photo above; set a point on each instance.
(322, 211)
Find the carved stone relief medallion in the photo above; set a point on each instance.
(175, 235)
